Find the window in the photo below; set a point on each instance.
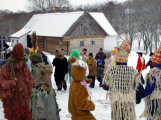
(93, 42)
(44, 43)
(17, 41)
(60, 42)
(12, 40)
(81, 43)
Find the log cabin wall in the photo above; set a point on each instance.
(99, 43)
(53, 43)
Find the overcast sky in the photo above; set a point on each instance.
(15, 5)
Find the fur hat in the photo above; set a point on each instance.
(18, 52)
(123, 51)
(157, 56)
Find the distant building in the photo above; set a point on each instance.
(70, 30)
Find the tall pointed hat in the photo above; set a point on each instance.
(157, 56)
(123, 51)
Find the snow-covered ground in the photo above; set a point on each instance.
(102, 110)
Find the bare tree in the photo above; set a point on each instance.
(47, 5)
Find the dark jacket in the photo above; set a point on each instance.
(101, 56)
(100, 71)
(149, 64)
(44, 58)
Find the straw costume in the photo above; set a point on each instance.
(80, 103)
(152, 92)
(16, 86)
(122, 83)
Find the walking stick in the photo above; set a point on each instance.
(13, 90)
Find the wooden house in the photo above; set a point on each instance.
(70, 30)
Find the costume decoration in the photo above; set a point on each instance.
(61, 68)
(156, 57)
(16, 86)
(80, 103)
(43, 100)
(122, 81)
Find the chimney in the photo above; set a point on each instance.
(57, 9)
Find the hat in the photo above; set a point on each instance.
(101, 48)
(109, 52)
(91, 54)
(26, 50)
(123, 51)
(18, 51)
(140, 53)
(157, 56)
(151, 54)
(99, 61)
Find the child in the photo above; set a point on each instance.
(43, 101)
(100, 71)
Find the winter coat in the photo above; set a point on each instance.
(108, 63)
(140, 64)
(48, 105)
(100, 71)
(92, 68)
(101, 56)
(150, 63)
(84, 57)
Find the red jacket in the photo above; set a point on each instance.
(141, 64)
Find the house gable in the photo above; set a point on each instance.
(86, 26)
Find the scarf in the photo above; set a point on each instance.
(85, 84)
(90, 61)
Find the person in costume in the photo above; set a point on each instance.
(16, 83)
(74, 53)
(140, 65)
(80, 103)
(152, 91)
(92, 69)
(122, 81)
(61, 68)
(43, 98)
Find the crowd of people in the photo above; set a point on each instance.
(26, 89)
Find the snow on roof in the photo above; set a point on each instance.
(57, 24)
(52, 24)
(103, 22)
(20, 33)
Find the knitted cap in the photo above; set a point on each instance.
(18, 51)
(109, 52)
(123, 51)
(157, 56)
